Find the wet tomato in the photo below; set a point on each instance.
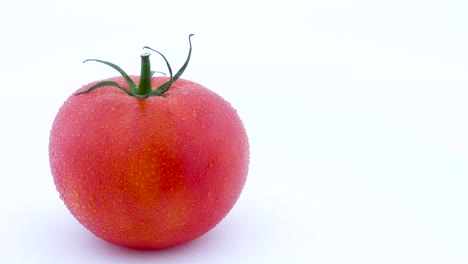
(151, 165)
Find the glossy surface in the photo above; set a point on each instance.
(149, 173)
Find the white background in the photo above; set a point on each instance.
(356, 112)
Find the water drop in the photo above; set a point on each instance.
(77, 193)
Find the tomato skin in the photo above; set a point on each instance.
(149, 173)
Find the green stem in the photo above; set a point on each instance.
(145, 78)
(143, 90)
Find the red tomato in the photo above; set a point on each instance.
(148, 172)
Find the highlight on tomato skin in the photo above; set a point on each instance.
(147, 167)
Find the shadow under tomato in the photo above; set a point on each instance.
(61, 239)
(191, 250)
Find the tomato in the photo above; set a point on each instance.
(147, 167)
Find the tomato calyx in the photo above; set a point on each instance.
(144, 89)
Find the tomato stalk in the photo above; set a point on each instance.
(145, 77)
(144, 89)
